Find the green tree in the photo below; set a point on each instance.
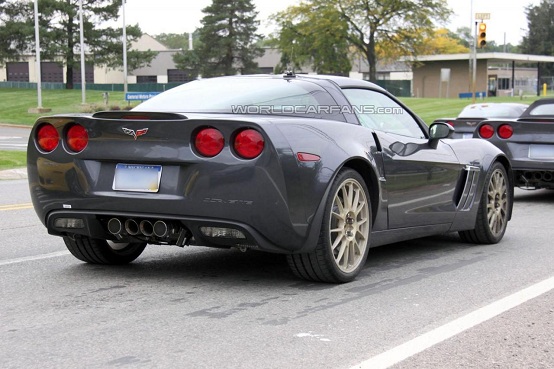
(174, 40)
(227, 40)
(312, 33)
(540, 36)
(402, 23)
(60, 36)
(12, 31)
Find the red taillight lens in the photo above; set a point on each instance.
(486, 131)
(505, 131)
(249, 143)
(77, 138)
(209, 142)
(47, 137)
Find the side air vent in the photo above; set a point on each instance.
(466, 195)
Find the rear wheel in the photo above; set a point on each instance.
(494, 208)
(343, 243)
(96, 251)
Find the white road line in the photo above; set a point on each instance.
(32, 258)
(442, 333)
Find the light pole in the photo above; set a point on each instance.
(83, 90)
(124, 48)
(37, 47)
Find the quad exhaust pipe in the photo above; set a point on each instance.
(145, 227)
(538, 176)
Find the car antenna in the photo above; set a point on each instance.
(289, 74)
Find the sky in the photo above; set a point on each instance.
(507, 17)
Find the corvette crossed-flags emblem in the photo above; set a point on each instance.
(136, 134)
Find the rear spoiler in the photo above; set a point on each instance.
(137, 115)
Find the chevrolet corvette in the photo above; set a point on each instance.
(473, 114)
(319, 168)
(528, 142)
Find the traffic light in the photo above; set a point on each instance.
(482, 35)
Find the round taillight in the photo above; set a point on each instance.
(209, 142)
(47, 137)
(505, 131)
(486, 131)
(249, 143)
(77, 138)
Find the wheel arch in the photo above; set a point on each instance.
(371, 181)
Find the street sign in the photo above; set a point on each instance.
(483, 16)
(139, 96)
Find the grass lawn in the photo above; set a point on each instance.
(12, 159)
(430, 109)
(14, 104)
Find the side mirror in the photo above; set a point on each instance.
(438, 131)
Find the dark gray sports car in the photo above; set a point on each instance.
(473, 114)
(528, 142)
(320, 168)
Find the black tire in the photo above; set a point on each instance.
(494, 209)
(347, 226)
(96, 251)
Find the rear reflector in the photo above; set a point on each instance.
(304, 156)
(218, 232)
(70, 223)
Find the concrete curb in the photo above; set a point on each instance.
(17, 173)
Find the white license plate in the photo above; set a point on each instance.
(541, 151)
(467, 135)
(137, 177)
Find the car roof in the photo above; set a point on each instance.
(341, 81)
(533, 106)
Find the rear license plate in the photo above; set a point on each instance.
(541, 151)
(467, 135)
(137, 177)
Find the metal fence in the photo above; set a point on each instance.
(401, 88)
(134, 87)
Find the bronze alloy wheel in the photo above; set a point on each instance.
(349, 225)
(497, 203)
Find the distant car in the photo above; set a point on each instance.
(472, 114)
(320, 168)
(528, 142)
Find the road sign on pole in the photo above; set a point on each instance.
(483, 16)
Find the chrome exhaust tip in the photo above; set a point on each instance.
(161, 229)
(146, 228)
(114, 226)
(131, 227)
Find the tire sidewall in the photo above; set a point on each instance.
(325, 240)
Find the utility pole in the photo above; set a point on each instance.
(124, 48)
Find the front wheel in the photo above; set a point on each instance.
(96, 251)
(494, 209)
(343, 243)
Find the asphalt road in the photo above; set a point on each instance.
(435, 302)
(13, 137)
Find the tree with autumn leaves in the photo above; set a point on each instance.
(372, 28)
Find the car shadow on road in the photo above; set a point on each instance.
(205, 266)
(534, 196)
